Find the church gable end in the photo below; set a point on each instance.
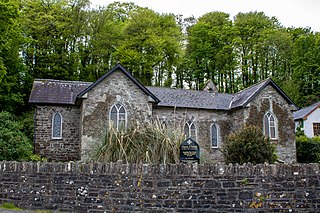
(115, 100)
(271, 111)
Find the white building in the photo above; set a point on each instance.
(308, 119)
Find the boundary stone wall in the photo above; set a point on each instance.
(118, 187)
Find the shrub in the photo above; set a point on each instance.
(150, 143)
(248, 145)
(308, 149)
(14, 145)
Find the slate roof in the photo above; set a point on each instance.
(243, 97)
(191, 98)
(304, 112)
(46, 91)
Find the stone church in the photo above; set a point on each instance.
(71, 116)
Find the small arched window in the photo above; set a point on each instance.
(118, 116)
(214, 136)
(270, 126)
(57, 126)
(190, 130)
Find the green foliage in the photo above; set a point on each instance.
(10, 206)
(14, 145)
(151, 43)
(300, 132)
(308, 149)
(306, 69)
(248, 145)
(144, 144)
(12, 70)
(37, 158)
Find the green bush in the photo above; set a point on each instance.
(150, 143)
(308, 149)
(248, 145)
(14, 145)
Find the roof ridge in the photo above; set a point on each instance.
(57, 80)
(260, 82)
(192, 90)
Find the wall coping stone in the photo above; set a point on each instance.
(120, 168)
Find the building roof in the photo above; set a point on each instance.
(305, 112)
(46, 91)
(191, 98)
(243, 97)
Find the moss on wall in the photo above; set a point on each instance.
(256, 116)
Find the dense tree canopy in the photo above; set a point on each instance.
(66, 39)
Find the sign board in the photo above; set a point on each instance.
(189, 151)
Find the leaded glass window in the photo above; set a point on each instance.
(270, 126)
(190, 130)
(214, 136)
(57, 126)
(118, 116)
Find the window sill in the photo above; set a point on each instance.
(56, 138)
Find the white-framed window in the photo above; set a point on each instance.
(118, 116)
(56, 126)
(316, 129)
(190, 130)
(270, 125)
(214, 136)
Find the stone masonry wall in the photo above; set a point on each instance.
(203, 119)
(96, 108)
(96, 187)
(65, 149)
(270, 100)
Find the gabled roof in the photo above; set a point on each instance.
(48, 91)
(242, 98)
(191, 98)
(66, 92)
(305, 112)
(123, 70)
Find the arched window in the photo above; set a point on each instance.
(118, 116)
(190, 130)
(57, 126)
(214, 136)
(270, 126)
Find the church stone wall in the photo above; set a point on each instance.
(95, 111)
(64, 149)
(176, 118)
(270, 100)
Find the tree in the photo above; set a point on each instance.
(14, 145)
(12, 71)
(306, 69)
(248, 145)
(210, 50)
(106, 33)
(250, 28)
(55, 31)
(150, 46)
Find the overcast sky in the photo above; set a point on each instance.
(297, 13)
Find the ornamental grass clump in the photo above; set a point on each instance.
(249, 145)
(150, 143)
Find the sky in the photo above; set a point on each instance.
(296, 13)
